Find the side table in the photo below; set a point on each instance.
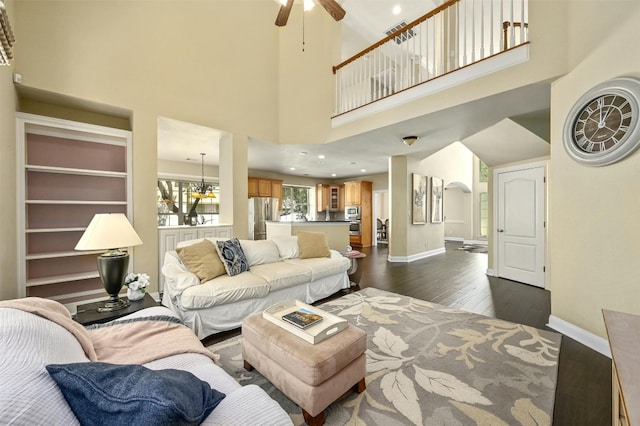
(353, 258)
(88, 314)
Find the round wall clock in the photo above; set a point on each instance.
(602, 126)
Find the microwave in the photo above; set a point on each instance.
(352, 212)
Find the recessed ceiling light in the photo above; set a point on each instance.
(321, 156)
(292, 168)
(333, 174)
(363, 170)
(396, 10)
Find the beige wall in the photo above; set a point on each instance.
(8, 104)
(186, 60)
(593, 219)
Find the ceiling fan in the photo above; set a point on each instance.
(331, 6)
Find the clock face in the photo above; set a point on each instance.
(602, 127)
(603, 123)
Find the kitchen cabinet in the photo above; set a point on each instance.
(360, 193)
(263, 187)
(67, 172)
(170, 236)
(276, 191)
(331, 196)
(352, 195)
(252, 187)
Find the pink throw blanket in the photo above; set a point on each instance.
(136, 342)
(144, 341)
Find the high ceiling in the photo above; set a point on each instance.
(365, 23)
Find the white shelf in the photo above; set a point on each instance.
(58, 254)
(62, 278)
(71, 171)
(48, 230)
(78, 202)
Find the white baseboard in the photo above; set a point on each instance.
(491, 272)
(458, 239)
(417, 256)
(588, 339)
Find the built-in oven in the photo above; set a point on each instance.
(354, 227)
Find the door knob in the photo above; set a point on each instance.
(500, 230)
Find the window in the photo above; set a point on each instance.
(295, 203)
(175, 202)
(484, 172)
(484, 213)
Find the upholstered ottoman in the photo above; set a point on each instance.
(312, 376)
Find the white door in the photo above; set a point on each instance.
(520, 225)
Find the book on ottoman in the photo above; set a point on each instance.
(302, 318)
(299, 313)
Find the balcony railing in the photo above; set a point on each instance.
(455, 35)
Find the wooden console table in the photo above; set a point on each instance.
(623, 331)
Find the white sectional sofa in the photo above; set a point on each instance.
(276, 273)
(32, 341)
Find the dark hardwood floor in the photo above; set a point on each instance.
(457, 278)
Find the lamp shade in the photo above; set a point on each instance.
(108, 231)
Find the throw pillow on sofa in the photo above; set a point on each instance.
(287, 246)
(202, 259)
(232, 256)
(313, 244)
(100, 393)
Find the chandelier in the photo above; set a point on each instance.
(202, 190)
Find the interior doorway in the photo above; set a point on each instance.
(381, 217)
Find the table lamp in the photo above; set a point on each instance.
(111, 232)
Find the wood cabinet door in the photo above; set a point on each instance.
(253, 187)
(276, 190)
(334, 198)
(264, 188)
(352, 193)
(340, 198)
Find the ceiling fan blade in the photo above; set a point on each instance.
(283, 14)
(334, 9)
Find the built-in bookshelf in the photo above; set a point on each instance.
(67, 172)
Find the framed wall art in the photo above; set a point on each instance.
(437, 193)
(419, 199)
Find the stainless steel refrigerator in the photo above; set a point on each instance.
(261, 210)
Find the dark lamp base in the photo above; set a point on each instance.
(113, 305)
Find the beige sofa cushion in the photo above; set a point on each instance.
(224, 289)
(282, 274)
(321, 267)
(313, 244)
(202, 259)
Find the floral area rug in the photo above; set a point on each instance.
(428, 364)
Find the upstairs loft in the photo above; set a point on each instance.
(454, 43)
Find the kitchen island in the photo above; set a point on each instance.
(337, 231)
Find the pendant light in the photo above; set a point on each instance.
(202, 190)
